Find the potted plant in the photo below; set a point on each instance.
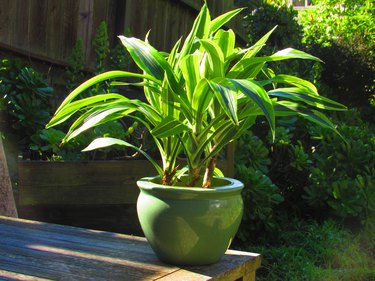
(201, 96)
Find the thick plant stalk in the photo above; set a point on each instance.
(168, 176)
(194, 176)
(209, 173)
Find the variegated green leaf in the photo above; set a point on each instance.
(98, 79)
(227, 97)
(105, 142)
(215, 59)
(257, 94)
(292, 80)
(190, 68)
(254, 50)
(285, 108)
(75, 106)
(226, 41)
(202, 98)
(96, 118)
(169, 127)
(150, 61)
(291, 53)
(223, 19)
(200, 30)
(300, 94)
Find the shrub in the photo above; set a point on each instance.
(260, 195)
(318, 173)
(342, 180)
(25, 94)
(264, 16)
(342, 34)
(307, 250)
(74, 71)
(101, 47)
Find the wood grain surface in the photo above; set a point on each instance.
(32, 250)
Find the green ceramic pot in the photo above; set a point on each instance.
(190, 226)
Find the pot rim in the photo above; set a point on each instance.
(231, 184)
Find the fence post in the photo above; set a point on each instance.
(7, 204)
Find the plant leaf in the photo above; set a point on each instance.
(215, 58)
(100, 78)
(190, 68)
(75, 106)
(257, 94)
(290, 53)
(292, 80)
(223, 19)
(169, 127)
(105, 142)
(299, 94)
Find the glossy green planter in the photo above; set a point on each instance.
(190, 226)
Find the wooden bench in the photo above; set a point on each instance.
(31, 250)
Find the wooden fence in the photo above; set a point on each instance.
(48, 29)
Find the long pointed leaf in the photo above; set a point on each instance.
(257, 94)
(293, 80)
(150, 61)
(105, 142)
(299, 94)
(226, 95)
(190, 68)
(223, 19)
(200, 30)
(100, 78)
(285, 108)
(169, 127)
(215, 58)
(75, 106)
(226, 41)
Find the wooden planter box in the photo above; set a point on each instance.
(94, 194)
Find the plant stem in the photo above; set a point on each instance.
(209, 173)
(194, 176)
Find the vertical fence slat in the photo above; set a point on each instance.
(6, 24)
(84, 28)
(54, 29)
(38, 26)
(48, 29)
(21, 35)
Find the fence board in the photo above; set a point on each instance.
(5, 21)
(38, 26)
(48, 29)
(21, 26)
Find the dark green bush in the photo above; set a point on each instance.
(263, 16)
(260, 195)
(342, 34)
(342, 180)
(25, 94)
(318, 173)
(307, 250)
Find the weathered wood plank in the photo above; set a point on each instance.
(37, 23)
(84, 28)
(7, 204)
(91, 182)
(20, 36)
(37, 250)
(6, 23)
(8, 275)
(48, 29)
(54, 28)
